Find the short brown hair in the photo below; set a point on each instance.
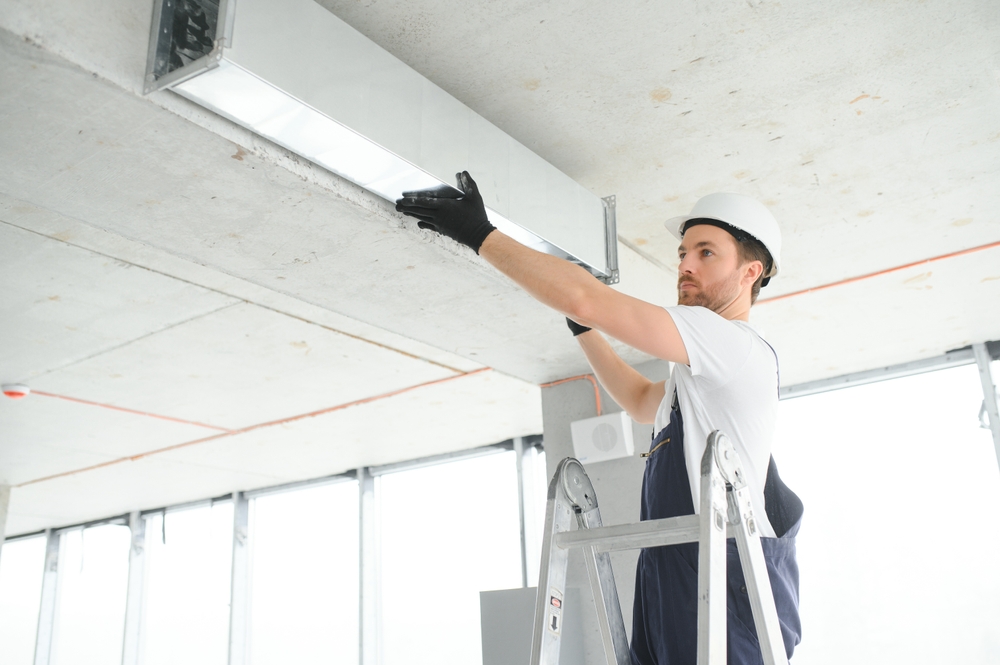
(748, 249)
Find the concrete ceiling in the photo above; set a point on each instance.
(196, 308)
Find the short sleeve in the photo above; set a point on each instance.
(716, 348)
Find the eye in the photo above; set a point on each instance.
(706, 252)
(680, 255)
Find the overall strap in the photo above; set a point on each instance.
(777, 363)
(783, 506)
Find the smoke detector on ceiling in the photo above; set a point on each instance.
(16, 390)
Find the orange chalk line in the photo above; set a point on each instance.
(132, 411)
(971, 250)
(582, 377)
(851, 280)
(243, 430)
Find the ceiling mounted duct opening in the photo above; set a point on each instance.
(299, 76)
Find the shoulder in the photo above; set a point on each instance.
(704, 325)
(717, 347)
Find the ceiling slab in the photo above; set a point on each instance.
(869, 128)
(850, 328)
(21, 214)
(914, 192)
(238, 367)
(441, 418)
(45, 436)
(69, 304)
(777, 68)
(117, 489)
(163, 177)
(814, 108)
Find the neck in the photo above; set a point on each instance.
(738, 309)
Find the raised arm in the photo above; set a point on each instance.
(573, 292)
(565, 287)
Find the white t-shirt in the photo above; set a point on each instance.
(731, 385)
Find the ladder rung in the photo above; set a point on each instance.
(651, 533)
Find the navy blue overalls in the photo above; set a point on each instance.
(665, 614)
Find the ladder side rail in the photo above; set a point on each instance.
(551, 591)
(743, 523)
(602, 582)
(712, 615)
(765, 614)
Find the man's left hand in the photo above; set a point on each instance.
(462, 219)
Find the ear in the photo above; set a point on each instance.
(751, 271)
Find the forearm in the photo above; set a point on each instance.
(552, 281)
(573, 292)
(639, 396)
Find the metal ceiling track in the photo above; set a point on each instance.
(955, 358)
(297, 75)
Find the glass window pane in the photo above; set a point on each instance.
(21, 564)
(188, 569)
(447, 532)
(304, 580)
(901, 529)
(90, 604)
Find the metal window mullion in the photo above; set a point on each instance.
(134, 599)
(434, 460)
(519, 462)
(44, 637)
(951, 359)
(368, 570)
(983, 359)
(299, 485)
(4, 506)
(239, 589)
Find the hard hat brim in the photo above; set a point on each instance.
(676, 225)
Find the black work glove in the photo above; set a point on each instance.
(462, 219)
(576, 327)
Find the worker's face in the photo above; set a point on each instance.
(709, 274)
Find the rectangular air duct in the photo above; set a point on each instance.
(296, 74)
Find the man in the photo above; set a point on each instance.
(724, 377)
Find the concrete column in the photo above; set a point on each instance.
(618, 484)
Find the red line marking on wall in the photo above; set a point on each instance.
(851, 280)
(132, 411)
(583, 377)
(243, 430)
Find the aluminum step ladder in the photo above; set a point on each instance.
(725, 507)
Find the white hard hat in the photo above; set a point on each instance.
(741, 212)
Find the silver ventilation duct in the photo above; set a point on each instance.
(296, 74)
